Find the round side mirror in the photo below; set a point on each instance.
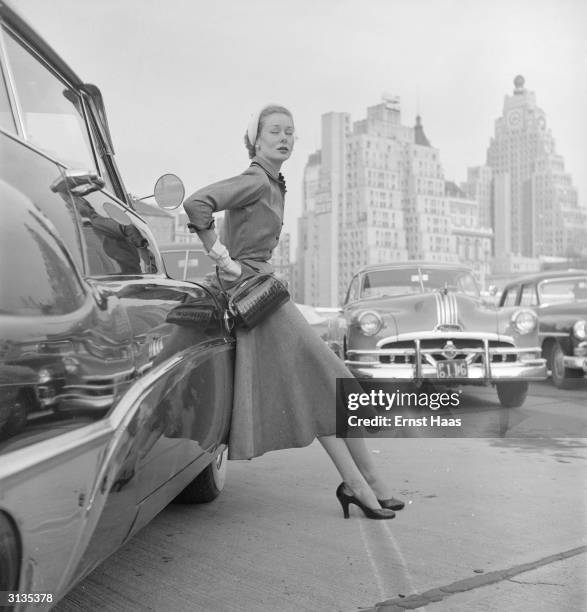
(169, 191)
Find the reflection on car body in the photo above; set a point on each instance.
(560, 301)
(418, 321)
(111, 404)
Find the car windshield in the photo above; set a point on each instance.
(400, 281)
(561, 290)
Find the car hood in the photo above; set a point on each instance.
(435, 310)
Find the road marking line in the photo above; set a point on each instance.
(419, 600)
(374, 565)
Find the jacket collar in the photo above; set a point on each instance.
(276, 176)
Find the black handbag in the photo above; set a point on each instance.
(253, 299)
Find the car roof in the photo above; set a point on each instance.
(544, 275)
(413, 264)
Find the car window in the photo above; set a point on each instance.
(6, 118)
(466, 284)
(199, 264)
(561, 290)
(353, 292)
(52, 112)
(175, 263)
(510, 297)
(115, 241)
(400, 281)
(37, 275)
(528, 296)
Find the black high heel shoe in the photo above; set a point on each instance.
(392, 503)
(372, 513)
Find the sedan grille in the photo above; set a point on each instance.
(435, 350)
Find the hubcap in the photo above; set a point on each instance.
(557, 363)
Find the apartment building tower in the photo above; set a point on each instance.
(374, 193)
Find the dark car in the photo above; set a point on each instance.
(115, 380)
(560, 301)
(426, 322)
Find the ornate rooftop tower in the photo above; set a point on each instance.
(534, 198)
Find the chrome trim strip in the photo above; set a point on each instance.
(431, 335)
(418, 359)
(18, 462)
(528, 371)
(185, 266)
(6, 69)
(439, 317)
(554, 334)
(413, 351)
(117, 377)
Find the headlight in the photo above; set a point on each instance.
(370, 322)
(580, 329)
(524, 321)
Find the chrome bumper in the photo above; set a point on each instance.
(575, 363)
(485, 363)
(530, 371)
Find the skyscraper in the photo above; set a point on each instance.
(536, 210)
(376, 193)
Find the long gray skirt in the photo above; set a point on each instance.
(284, 387)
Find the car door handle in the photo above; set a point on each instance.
(79, 182)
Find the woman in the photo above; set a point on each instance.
(285, 375)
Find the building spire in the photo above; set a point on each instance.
(419, 136)
(519, 83)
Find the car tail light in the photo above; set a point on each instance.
(524, 321)
(370, 322)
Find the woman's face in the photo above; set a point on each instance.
(276, 138)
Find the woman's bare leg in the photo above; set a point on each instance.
(364, 461)
(341, 456)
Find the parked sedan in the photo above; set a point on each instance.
(115, 380)
(560, 301)
(426, 322)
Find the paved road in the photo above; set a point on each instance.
(490, 524)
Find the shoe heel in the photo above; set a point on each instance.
(344, 501)
(345, 508)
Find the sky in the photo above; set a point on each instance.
(180, 78)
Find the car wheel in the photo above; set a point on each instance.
(562, 378)
(208, 484)
(512, 394)
(9, 555)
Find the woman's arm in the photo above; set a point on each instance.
(236, 192)
(208, 238)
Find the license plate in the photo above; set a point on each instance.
(455, 368)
